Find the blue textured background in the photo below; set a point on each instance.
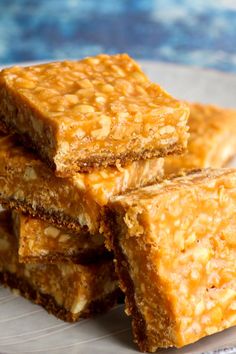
(193, 32)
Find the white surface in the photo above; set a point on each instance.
(27, 328)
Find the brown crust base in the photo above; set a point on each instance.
(95, 162)
(56, 218)
(48, 302)
(127, 286)
(84, 258)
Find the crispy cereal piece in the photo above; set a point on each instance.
(100, 111)
(68, 291)
(212, 141)
(175, 247)
(28, 185)
(41, 242)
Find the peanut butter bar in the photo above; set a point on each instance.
(40, 241)
(175, 248)
(212, 140)
(28, 185)
(91, 113)
(68, 291)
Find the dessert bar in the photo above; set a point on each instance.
(175, 248)
(41, 242)
(99, 111)
(212, 140)
(28, 185)
(68, 291)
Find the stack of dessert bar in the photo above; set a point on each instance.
(75, 134)
(83, 168)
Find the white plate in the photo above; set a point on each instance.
(27, 328)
